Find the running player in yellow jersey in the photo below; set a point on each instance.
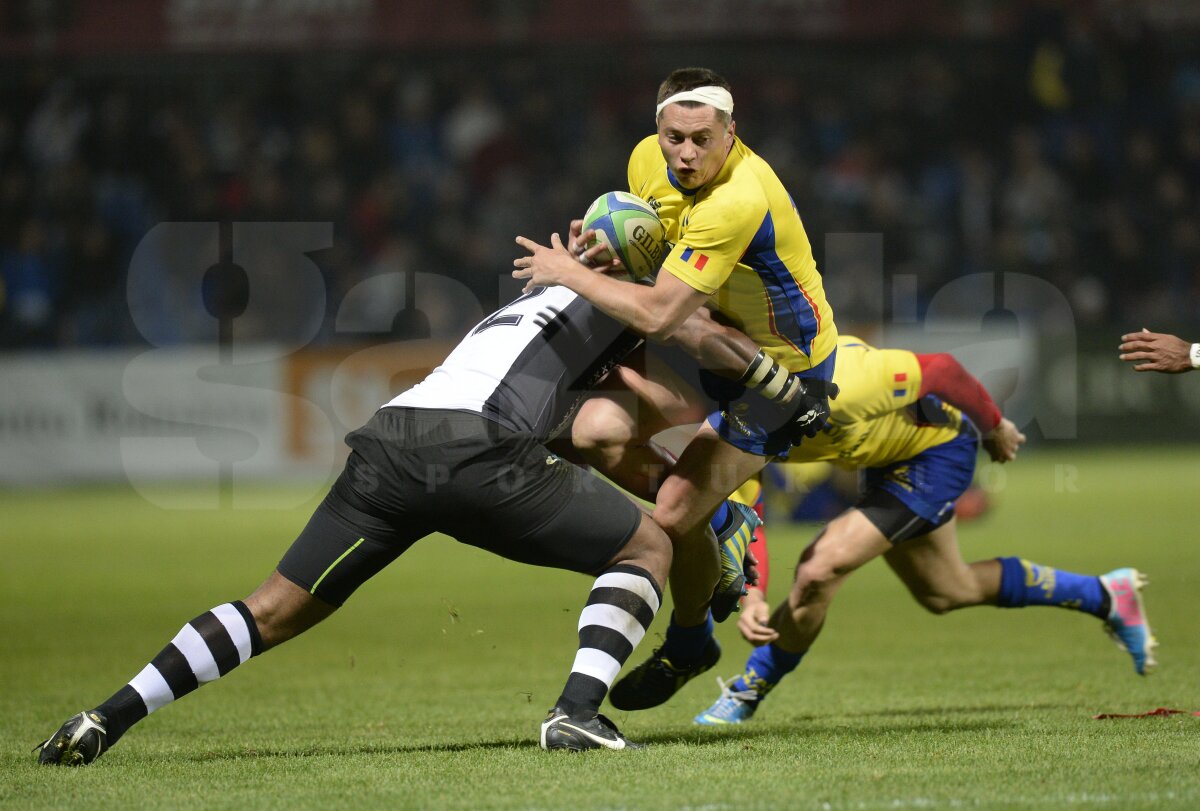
(738, 246)
(893, 419)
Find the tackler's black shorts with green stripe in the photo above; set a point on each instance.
(413, 472)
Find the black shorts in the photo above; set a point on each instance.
(895, 519)
(916, 496)
(412, 472)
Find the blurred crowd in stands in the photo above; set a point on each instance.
(1069, 150)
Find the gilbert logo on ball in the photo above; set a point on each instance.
(627, 225)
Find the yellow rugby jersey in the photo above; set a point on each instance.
(871, 423)
(739, 239)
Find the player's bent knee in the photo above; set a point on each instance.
(822, 565)
(936, 604)
(943, 603)
(813, 583)
(678, 518)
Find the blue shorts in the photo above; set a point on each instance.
(750, 421)
(927, 484)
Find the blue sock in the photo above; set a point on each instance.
(720, 517)
(1023, 583)
(765, 668)
(685, 644)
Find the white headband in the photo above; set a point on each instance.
(711, 95)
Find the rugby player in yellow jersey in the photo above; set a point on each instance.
(893, 419)
(738, 246)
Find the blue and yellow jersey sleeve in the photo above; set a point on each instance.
(740, 240)
(874, 420)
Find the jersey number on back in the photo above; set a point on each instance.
(502, 319)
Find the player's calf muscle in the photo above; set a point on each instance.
(283, 610)
(648, 548)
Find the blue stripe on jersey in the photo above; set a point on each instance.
(674, 181)
(686, 255)
(793, 317)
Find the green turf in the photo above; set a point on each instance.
(427, 689)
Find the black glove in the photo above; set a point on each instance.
(810, 405)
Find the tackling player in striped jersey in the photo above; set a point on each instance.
(462, 453)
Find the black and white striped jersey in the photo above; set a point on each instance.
(528, 365)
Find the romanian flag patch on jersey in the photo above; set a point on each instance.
(694, 258)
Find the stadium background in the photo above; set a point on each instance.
(1014, 182)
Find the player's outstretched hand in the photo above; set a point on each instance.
(549, 265)
(1156, 352)
(545, 265)
(752, 622)
(1003, 441)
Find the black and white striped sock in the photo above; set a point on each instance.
(204, 650)
(620, 608)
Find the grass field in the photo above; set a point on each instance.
(427, 689)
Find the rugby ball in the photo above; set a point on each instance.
(629, 229)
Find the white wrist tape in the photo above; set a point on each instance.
(770, 379)
(1195, 355)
